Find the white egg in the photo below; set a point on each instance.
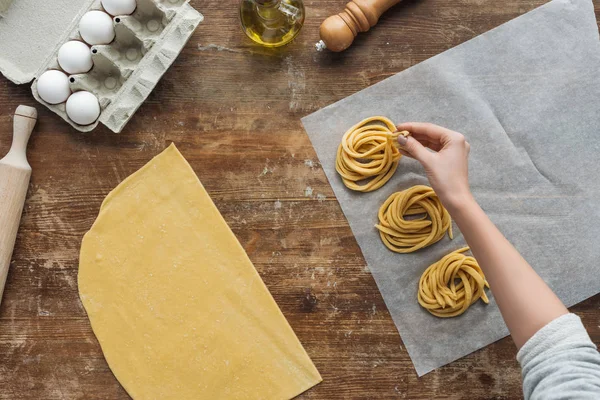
(119, 7)
(83, 108)
(96, 27)
(53, 87)
(75, 57)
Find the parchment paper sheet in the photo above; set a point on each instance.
(527, 97)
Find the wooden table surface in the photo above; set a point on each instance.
(234, 111)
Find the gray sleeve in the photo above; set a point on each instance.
(560, 362)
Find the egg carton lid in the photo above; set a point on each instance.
(30, 31)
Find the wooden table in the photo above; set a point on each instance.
(234, 111)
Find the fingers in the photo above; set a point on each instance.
(424, 131)
(413, 148)
(435, 146)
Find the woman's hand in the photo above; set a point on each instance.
(526, 302)
(447, 166)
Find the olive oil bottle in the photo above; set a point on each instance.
(272, 23)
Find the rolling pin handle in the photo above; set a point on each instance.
(23, 123)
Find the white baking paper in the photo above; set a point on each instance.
(527, 97)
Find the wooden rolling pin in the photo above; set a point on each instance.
(14, 180)
(338, 31)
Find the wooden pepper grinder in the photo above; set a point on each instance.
(338, 31)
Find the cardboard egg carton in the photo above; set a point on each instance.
(124, 72)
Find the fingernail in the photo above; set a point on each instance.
(402, 140)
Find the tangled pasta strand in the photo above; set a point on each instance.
(441, 295)
(407, 235)
(368, 150)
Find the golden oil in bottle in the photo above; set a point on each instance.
(272, 23)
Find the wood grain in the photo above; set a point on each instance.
(234, 111)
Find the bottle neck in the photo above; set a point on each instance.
(267, 3)
(268, 10)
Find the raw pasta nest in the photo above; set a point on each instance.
(439, 292)
(429, 225)
(368, 152)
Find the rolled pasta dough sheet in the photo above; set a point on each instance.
(175, 302)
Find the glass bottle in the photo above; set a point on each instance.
(272, 23)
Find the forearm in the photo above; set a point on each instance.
(527, 304)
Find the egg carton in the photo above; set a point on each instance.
(124, 72)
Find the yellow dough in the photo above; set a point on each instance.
(407, 235)
(368, 152)
(441, 295)
(176, 304)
